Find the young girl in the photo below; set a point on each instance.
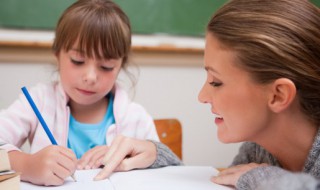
(85, 110)
(262, 59)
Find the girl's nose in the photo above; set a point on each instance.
(90, 75)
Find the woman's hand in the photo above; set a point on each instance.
(230, 176)
(49, 166)
(93, 158)
(127, 153)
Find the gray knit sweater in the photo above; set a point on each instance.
(262, 178)
(165, 157)
(274, 177)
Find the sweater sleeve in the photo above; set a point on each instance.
(165, 157)
(252, 152)
(271, 177)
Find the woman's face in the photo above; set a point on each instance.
(239, 105)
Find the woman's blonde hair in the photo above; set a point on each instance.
(275, 39)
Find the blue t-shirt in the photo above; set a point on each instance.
(83, 137)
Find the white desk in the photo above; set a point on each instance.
(168, 178)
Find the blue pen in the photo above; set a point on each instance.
(36, 111)
(43, 123)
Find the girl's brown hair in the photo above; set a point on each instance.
(275, 39)
(99, 27)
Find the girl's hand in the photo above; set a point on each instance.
(126, 154)
(49, 166)
(93, 158)
(230, 176)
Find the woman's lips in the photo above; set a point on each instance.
(218, 120)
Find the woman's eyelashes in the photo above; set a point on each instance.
(215, 84)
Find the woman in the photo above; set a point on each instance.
(262, 60)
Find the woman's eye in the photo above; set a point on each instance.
(215, 84)
(77, 62)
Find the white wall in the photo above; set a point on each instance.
(173, 92)
(165, 91)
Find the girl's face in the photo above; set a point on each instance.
(238, 103)
(87, 81)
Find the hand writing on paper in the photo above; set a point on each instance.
(230, 176)
(93, 158)
(126, 154)
(49, 166)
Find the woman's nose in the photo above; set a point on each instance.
(202, 96)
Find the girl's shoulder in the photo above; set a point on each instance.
(44, 88)
(49, 90)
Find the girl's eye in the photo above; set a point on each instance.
(77, 62)
(215, 84)
(106, 68)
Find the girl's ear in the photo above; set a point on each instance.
(56, 55)
(283, 92)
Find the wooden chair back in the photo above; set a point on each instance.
(170, 134)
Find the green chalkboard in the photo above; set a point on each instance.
(316, 2)
(174, 17)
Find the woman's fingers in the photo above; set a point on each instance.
(230, 176)
(126, 154)
(118, 150)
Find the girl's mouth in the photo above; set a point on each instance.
(85, 92)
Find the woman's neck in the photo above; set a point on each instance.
(289, 141)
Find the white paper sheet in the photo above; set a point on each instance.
(168, 178)
(84, 181)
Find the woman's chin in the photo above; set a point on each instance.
(226, 139)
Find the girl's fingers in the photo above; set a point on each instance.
(61, 172)
(90, 159)
(96, 158)
(67, 160)
(54, 180)
(85, 159)
(68, 153)
(98, 163)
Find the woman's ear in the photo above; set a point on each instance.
(283, 92)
